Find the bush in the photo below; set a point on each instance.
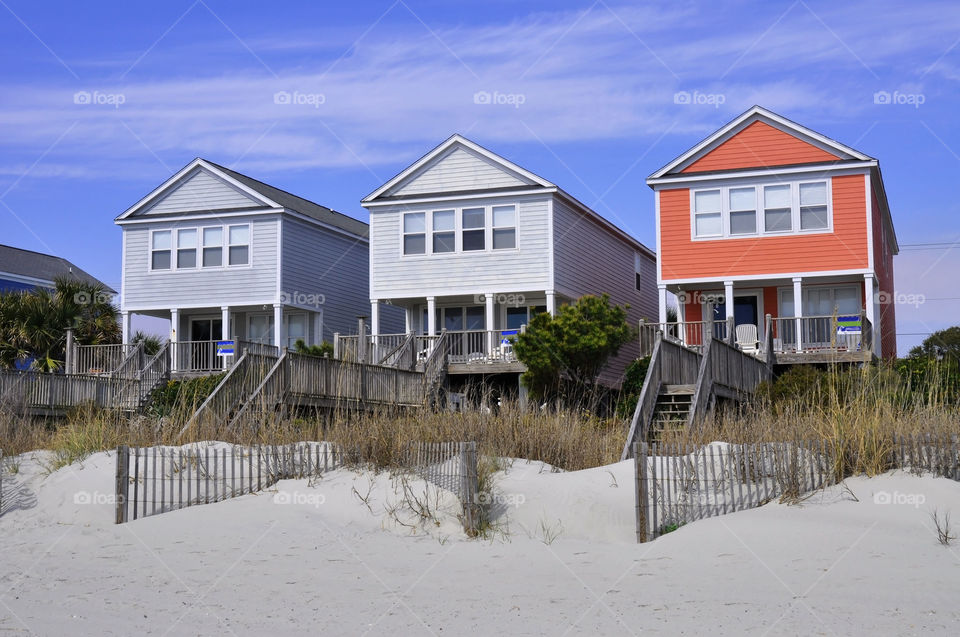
(633, 378)
(179, 395)
(799, 383)
(321, 350)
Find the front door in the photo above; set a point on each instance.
(746, 311)
(203, 351)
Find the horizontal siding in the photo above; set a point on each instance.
(589, 259)
(201, 190)
(395, 277)
(229, 286)
(759, 145)
(843, 249)
(460, 169)
(883, 267)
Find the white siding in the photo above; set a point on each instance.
(213, 288)
(589, 259)
(459, 169)
(200, 191)
(394, 276)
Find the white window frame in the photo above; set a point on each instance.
(758, 186)
(833, 287)
(175, 263)
(458, 230)
(494, 227)
(170, 249)
(224, 248)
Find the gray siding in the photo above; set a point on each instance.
(589, 259)
(460, 169)
(320, 262)
(202, 190)
(394, 276)
(213, 288)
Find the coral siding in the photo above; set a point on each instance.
(758, 145)
(883, 267)
(844, 248)
(770, 301)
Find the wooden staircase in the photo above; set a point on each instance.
(672, 409)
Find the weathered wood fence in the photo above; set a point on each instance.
(36, 391)
(153, 480)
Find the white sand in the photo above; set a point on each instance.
(329, 563)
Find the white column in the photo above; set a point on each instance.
(728, 298)
(174, 326)
(317, 328)
(869, 302)
(278, 325)
(489, 298)
(431, 316)
(662, 301)
(798, 310)
(408, 319)
(552, 302)
(374, 317)
(225, 333)
(125, 327)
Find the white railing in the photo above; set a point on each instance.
(100, 359)
(482, 346)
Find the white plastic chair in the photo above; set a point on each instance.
(747, 338)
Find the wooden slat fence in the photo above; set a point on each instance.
(927, 453)
(153, 480)
(451, 466)
(677, 484)
(26, 390)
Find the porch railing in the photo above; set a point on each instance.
(101, 359)
(688, 333)
(482, 346)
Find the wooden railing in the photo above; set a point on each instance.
(100, 359)
(403, 356)
(482, 346)
(435, 368)
(56, 392)
(373, 349)
(725, 367)
(235, 388)
(820, 333)
(692, 334)
(155, 371)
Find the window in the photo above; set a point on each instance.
(777, 209)
(516, 317)
(638, 269)
(296, 329)
(444, 231)
(187, 248)
(822, 300)
(414, 233)
(813, 206)
(473, 222)
(160, 250)
(261, 329)
(743, 211)
(212, 247)
(504, 227)
(239, 245)
(707, 213)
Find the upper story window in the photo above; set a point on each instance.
(453, 230)
(504, 227)
(160, 250)
(768, 209)
(473, 228)
(204, 247)
(414, 233)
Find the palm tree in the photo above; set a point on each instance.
(33, 324)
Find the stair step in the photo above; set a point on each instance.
(677, 389)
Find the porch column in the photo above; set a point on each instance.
(731, 316)
(408, 319)
(489, 298)
(125, 326)
(869, 303)
(662, 301)
(374, 317)
(225, 333)
(798, 310)
(174, 325)
(278, 325)
(431, 316)
(317, 328)
(551, 302)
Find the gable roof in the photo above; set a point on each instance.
(268, 197)
(449, 145)
(42, 267)
(832, 149)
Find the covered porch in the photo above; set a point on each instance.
(835, 319)
(196, 332)
(477, 330)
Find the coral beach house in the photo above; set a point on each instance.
(767, 217)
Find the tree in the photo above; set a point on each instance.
(944, 345)
(151, 342)
(564, 354)
(34, 323)
(321, 350)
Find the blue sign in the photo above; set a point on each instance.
(225, 348)
(849, 325)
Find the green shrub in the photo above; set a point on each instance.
(633, 378)
(323, 349)
(799, 383)
(188, 393)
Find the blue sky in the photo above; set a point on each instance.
(583, 95)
